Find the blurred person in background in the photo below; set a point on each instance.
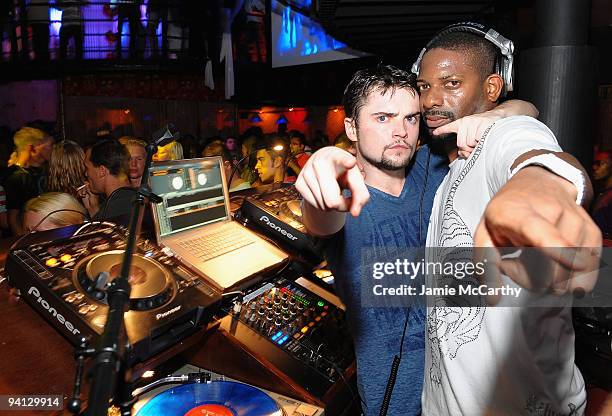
(8, 26)
(27, 175)
(217, 149)
(128, 11)
(298, 156)
(38, 18)
(106, 163)
(70, 212)
(72, 26)
(157, 13)
(232, 145)
(171, 151)
(602, 171)
(602, 178)
(4, 227)
(270, 166)
(6, 149)
(189, 144)
(138, 156)
(344, 143)
(66, 168)
(248, 160)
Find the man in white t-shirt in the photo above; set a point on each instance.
(521, 363)
(503, 359)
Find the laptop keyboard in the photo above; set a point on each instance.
(214, 244)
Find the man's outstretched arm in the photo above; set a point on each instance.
(538, 207)
(326, 174)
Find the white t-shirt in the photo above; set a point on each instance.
(495, 360)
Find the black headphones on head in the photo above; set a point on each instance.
(504, 64)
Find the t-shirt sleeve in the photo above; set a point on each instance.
(510, 138)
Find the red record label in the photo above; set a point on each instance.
(210, 410)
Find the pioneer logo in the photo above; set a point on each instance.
(164, 314)
(36, 295)
(275, 227)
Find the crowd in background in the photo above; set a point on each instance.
(152, 28)
(40, 174)
(46, 182)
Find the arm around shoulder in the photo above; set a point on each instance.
(516, 108)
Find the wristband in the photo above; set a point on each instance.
(560, 168)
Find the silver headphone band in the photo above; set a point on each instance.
(505, 45)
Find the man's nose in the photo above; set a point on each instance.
(431, 98)
(400, 128)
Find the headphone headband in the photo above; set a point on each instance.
(505, 46)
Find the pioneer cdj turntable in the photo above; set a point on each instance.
(64, 275)
(276, 211)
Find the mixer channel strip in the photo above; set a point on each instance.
(293, 319)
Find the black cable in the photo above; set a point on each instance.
(354, 395)
(394, 370)
(398, 358)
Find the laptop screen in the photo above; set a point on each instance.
(192, 193)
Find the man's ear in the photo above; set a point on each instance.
(278, 162)
(103, 171)
(350, 127)
(494, 84)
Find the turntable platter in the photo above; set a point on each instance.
(295, 207)
(147, 277)
(151, 283)
(291, 213)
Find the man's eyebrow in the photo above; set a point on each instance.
(448, 76)
(383, 113)
(417, 114)
(444, 77)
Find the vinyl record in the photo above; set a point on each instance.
(218, 398)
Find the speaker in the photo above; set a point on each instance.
(504, 64)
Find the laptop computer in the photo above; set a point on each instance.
(194, 222)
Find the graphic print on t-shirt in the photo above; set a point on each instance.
(451, 326)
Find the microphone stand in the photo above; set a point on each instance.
(109, 359)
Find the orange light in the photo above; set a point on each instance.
(52, 262)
